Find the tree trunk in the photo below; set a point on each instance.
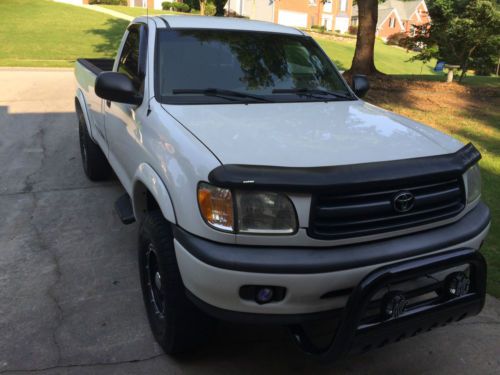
(219, 7)
(462, 75)
(202, 7)
(363, 60)
(465, 64)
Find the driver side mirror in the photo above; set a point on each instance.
(360, 85)
(117, 87)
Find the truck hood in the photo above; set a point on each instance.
(310, 134)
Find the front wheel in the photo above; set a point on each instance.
(177, 324)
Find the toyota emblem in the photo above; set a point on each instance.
(403, 201)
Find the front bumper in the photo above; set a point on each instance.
(317, 281)
(359, 330)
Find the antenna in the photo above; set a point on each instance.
(147, 60)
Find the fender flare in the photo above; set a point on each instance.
(146, 178)
(80, 100)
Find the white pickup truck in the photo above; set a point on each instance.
(267, 191)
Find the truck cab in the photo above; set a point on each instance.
(267, 191)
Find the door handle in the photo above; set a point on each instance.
(108, 103)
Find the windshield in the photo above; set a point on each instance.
(224, 66)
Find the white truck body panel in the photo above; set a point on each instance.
(311, 134)
(304, 290)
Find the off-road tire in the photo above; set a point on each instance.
(178, 325)
(95, 164)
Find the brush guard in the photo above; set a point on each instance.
(354, 334)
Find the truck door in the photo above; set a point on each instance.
(123, 128)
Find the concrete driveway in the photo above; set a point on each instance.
(70, 300)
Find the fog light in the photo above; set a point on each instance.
(264, 295)
(393, 304)
(457, 284)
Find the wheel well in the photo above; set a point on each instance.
(78, 106)
(143, 201)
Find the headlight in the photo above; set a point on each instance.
(251, 212)
(473, 181)
(260, 212)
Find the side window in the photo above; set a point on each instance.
(129, 59)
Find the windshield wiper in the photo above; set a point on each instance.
(222, 93)
(316, 93)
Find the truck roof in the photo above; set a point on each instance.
(224, 23)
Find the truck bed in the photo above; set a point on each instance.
(97, 66)
(86, 72)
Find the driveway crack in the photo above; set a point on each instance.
(44, 247)
(29, 181)
(82, 365)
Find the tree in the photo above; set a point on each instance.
(219, 7)
(462, 32)
(193, 4)
(363, 61)
(202, 7)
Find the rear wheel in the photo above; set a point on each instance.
(177, 324)
(95, 164)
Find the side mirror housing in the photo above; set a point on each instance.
(117, 87)
(360, 85)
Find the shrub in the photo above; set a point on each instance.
(181, 7)
(174, 5)
(353, 30)
(108, 2)
(193, 4)
(210, 9)
(234, 14)
(318, 28)
(398, 39)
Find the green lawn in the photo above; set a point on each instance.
(388, 59)
(30, 37)
(394, 61)
(45, 33)
(136, 12)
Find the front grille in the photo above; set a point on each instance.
(369, 211)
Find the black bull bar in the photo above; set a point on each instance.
(353, 335)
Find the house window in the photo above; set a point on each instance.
(327, 7)
(392, 22)
(343, 5)
(354, 21)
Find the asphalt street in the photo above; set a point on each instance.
(70, 301)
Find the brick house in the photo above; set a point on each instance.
(151, 4)
(333, 14)
(395, 17)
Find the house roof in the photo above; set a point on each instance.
(404, 9)
(382, 16)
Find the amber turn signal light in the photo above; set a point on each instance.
(216, 206)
